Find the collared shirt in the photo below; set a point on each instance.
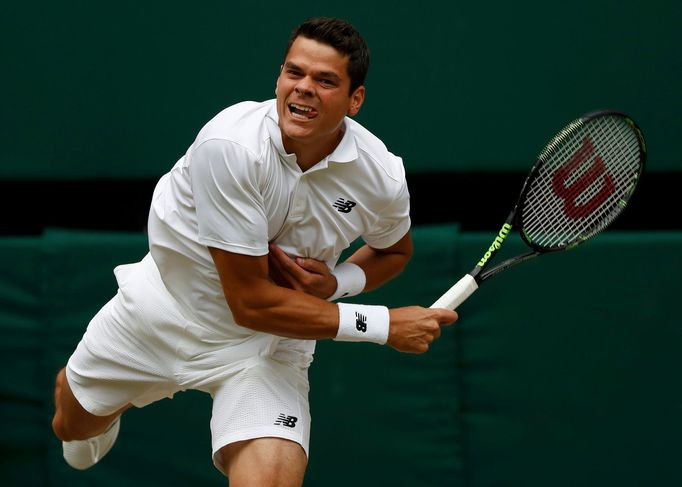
(237, 189)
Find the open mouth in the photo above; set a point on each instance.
(302, 112)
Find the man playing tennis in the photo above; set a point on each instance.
(245, 233)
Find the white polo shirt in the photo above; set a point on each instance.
(237, 189)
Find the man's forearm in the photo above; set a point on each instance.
(380, 266)
(285, 312)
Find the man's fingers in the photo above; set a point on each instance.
(279, 269)
(414, 329)
(312, 265)
(285, 263)
(278, 254)
(446, 316)
(292, 266)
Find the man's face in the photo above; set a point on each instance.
(313, 95)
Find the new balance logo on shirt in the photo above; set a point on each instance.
(288, 421)
(344, 206)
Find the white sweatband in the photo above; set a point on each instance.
(350, 281)
(363, 323)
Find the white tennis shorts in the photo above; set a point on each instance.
(139, 348)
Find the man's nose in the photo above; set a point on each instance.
(305, 86)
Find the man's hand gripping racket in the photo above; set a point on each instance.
(580, 183)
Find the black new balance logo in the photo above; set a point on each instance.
(344, 206)
(360, 322)
(288, 421)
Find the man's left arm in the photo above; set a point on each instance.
(382, 265)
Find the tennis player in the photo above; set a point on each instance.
(245, 233)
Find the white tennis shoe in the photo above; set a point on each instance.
(82, 454)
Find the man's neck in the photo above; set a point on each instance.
(307, 155)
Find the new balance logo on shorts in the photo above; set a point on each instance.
(360, 322)
(344, 206)
(288, 421)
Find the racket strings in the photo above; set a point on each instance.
(589, 171)
(554, 229)
(574, 196)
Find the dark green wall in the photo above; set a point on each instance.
(562, 372)
(120, 89)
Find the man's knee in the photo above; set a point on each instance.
(60, 424)
(71, 421)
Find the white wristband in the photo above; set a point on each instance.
(363, 323)
(350, 281)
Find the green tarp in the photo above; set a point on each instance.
(562, 372)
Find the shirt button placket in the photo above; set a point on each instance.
(298, 205)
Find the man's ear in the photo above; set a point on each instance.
(356, 101)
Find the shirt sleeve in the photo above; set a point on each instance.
(229, 205)
(393, 222)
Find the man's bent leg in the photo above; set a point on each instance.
(264, 462)
(86, 438)
(71, 421)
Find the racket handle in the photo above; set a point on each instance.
(457, 294)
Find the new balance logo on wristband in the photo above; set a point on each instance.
(360, 322)
(363, 323)
(344, 206)
(288, 421)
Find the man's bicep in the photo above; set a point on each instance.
(242, 276)
(401, 247)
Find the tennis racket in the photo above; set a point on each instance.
(581, 181)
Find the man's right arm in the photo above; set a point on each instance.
(259, 304)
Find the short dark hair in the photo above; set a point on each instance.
(343, 37)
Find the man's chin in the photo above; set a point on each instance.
(297, 132)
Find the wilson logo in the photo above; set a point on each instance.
(495, 246)
(344, 206)
(288, 421)
(570, 192)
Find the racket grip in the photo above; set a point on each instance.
(457, 294)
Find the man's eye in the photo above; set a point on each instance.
(327, 82)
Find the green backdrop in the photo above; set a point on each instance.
(120, 88)
(562, 372)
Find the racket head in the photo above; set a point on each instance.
(581, 181)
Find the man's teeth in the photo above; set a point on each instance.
(300, 107)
